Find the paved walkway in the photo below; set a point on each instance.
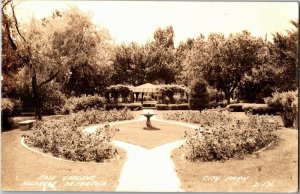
(148, 170)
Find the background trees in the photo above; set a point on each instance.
(129, 64)
(161, 66)
(66, 48)
(284, 57)
(66, 54)
(84, 48)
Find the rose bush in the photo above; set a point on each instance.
(222, 137)
(65, 137)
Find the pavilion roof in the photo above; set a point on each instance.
(146, 88)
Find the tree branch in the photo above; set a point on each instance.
(7, 2)
(53, 76)
(6, 23)
(16, 22)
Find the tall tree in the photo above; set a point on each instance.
(161, 66)
(10, 62)
(181, 52)
(240, 53)
(195, 61)
(223, 62)
(84, 48)
(284, 56)
(130, 64)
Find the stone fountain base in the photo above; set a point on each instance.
(151, 128)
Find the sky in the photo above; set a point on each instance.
(137, 21)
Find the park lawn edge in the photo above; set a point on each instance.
(21, 164)
(274, 169)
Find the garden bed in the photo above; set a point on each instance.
(64, 138)
(273, 170)
(223, 136)
(20, 165)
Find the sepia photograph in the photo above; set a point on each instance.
(149, 96)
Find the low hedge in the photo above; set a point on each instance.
(172, 107)
(235, 108)
(119, 106)
(261, 110)
(255, 109)
(217, 104)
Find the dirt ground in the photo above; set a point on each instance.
(134, 133)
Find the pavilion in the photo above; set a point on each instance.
(145, 88)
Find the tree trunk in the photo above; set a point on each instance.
(227, 96)
(163, 97)
(132, 97)
(36, 97)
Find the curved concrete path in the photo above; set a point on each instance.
(148, 170)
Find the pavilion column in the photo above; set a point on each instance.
(142, 100)
(137, 96)
(132, 97)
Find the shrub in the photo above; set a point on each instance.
(64, 137)
(215, 95)
(217, 104)
(75, 104)
(178, 107)
(182, 106)
(235, 108)
(7, 107)
(18, 107)
(260, 109)
(205, 118)
(134, 106)
(288, 103)
(172, 106)
(162, 107)
(119, 106)
(235, 139)
(52, 98)
(198, 95)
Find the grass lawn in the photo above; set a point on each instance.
(134, 133)
(20, 165)
(274, 169)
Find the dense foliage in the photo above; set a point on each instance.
(198, 95)
(288, 103)
(222, 137)
(7, 107)
(66, 54)
(169, 91)
(85, 102)
(118, 90)
(65, 137)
